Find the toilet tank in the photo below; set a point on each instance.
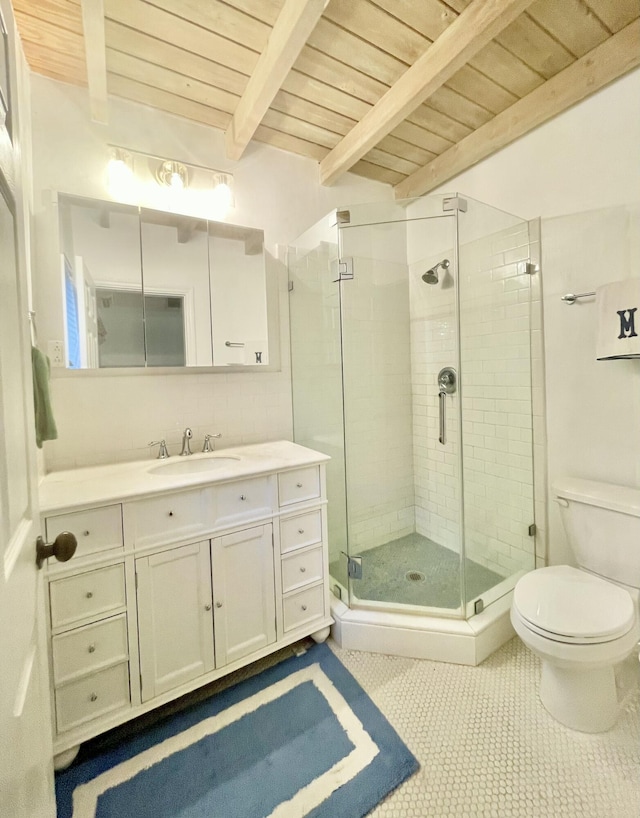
(602, 522)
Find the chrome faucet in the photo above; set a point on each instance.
(186, 445)
(162, 451)
(208, 445)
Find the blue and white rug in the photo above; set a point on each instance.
(300, 739)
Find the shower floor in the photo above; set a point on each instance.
(386, 568)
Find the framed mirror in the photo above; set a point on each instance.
(144, 288)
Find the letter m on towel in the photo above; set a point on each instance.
(627, 325)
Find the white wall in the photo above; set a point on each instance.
(584, 162)
(107, 418)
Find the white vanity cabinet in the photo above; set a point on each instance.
(180, 581)
(243, 576)
(175, 617)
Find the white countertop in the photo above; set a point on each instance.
(96, 485)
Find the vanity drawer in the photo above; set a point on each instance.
(242, 500)
(302, 568)
(87, 649)
(90, 595)
(96, 529)
(299, 485)
(303, 607)
(92, 697)
(301, 530)
(168, 518)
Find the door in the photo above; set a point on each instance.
(244, 593)
(175, 619)
(26, 770)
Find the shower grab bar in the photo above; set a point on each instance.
(442, 396)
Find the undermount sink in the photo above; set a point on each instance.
(189, 466)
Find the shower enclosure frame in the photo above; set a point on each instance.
(416, 628)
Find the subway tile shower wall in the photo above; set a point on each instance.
(501, 371)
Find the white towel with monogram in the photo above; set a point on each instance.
(618, 320)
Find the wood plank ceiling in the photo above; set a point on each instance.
(433, 101)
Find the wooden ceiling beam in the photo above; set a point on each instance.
(295, 23)
(605, 63)
(96, 58)
(466, 36)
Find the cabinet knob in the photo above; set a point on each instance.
(207, 607)
(93, 697)
(299, 485)
(86, 533)
(304, 607)
(91, 649)
(243, 496)
(302, 570)
(301, 531)
(89, 595)
(218, 604)
(171, 514)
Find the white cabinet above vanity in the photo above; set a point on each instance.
(179, 578)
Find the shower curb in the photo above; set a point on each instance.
(462, 642)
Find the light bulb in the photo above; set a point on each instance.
(120, 174)
(222, 196)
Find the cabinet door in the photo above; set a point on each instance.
(244, 593)
(175, 619)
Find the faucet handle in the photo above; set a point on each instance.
(162, 451)
(208, 446)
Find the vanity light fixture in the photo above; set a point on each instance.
(148, 178)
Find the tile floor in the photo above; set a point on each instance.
(487, 747)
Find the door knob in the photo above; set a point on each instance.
(62, 548)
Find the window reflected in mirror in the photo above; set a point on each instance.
(146, 288)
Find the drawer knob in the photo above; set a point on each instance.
(207, 607)
(304, 607)
(171, 514)
(86, 533)
(243, 496)
(302, 570)
(89, 595)
(301, 531)
(299, 485)
(218, 604)
(91, 649)
(93, 697)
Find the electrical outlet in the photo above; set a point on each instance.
(54, 351)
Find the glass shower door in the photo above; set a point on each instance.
(398, 331)
(496, 401)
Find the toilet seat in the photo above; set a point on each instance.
(565, 604)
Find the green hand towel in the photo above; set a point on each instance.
(45, 424)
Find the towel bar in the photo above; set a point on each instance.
(570, 298)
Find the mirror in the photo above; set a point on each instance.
(147, 288)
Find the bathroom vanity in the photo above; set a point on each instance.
(186, 569)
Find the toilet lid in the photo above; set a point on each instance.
(571, 604)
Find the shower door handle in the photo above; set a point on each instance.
(442, 396)
(447, 381)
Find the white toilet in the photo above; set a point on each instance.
(583, 622)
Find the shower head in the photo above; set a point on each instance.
(431, 276)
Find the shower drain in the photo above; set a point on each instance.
(415, 576)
